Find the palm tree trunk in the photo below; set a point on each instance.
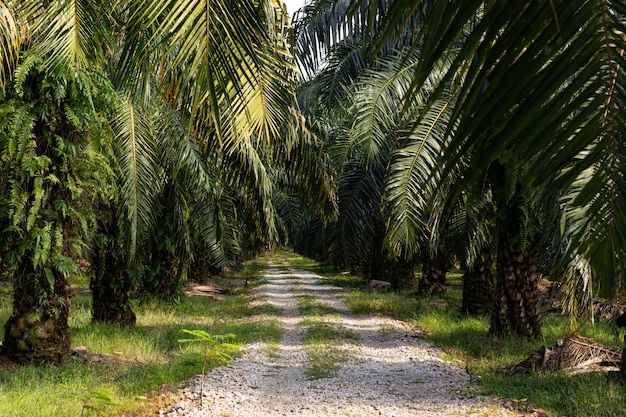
(110, 288)
(373, 266)
(434, 270)
(401, 274)
(110, 284)
(169, 278)
(38, 329)
(516, 299)
(478, 280)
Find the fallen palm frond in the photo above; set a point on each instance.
(575, 355)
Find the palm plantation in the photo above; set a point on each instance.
(487, 109)
(160, 139)
(230, 116)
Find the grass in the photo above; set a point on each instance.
(323, 341)
(307, 305)
(138, 360)
(465, 340)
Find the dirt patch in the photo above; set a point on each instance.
(206, 290)
(8, 364)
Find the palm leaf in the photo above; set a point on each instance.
(10, 42)
(137, 158)
(227, 63)
(68, 32)
(567, 63)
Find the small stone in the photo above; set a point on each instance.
(79, 351)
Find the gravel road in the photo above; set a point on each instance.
(386, 370)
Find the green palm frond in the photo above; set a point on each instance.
(249, 173)
(303, 166)
(137, 158)
(227, 64)
(322, 24)
(412, 183)
(344, 65)
(68, 32)
(10, 42)
(567, 62)
(208, 217)
(360, 189)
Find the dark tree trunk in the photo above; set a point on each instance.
(201, 269)
(168, 281)
(110, 284)
(516, 299)
(401, 274)
(374, 266)
(38, 329)
(434, 270)
(110, 288)
(478, 282)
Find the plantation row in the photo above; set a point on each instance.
(162, 141)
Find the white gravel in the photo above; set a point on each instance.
(390, 372)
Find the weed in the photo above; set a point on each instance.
(214, 346)
(323, 339)
(308, 306)
(97, 400)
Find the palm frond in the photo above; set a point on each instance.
(227, 64)
(11, 40)
(68, 32)
(137, 157)
(567, 62)
(360, 189)
(412, 183)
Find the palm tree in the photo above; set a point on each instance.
(225, 69)
(561, 116)
(359, 93)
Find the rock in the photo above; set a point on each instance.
(376, 285)
(95, 358)
(79, 351)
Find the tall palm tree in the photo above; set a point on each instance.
(562, 115)
(558, 125)
(225, 69)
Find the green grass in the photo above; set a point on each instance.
(466, 340)
(322, 341)
(138, 360)
(307, 305)
(400, 305)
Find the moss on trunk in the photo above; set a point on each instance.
(37, 330)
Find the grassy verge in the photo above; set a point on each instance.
(466, 340)
(137, 362)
